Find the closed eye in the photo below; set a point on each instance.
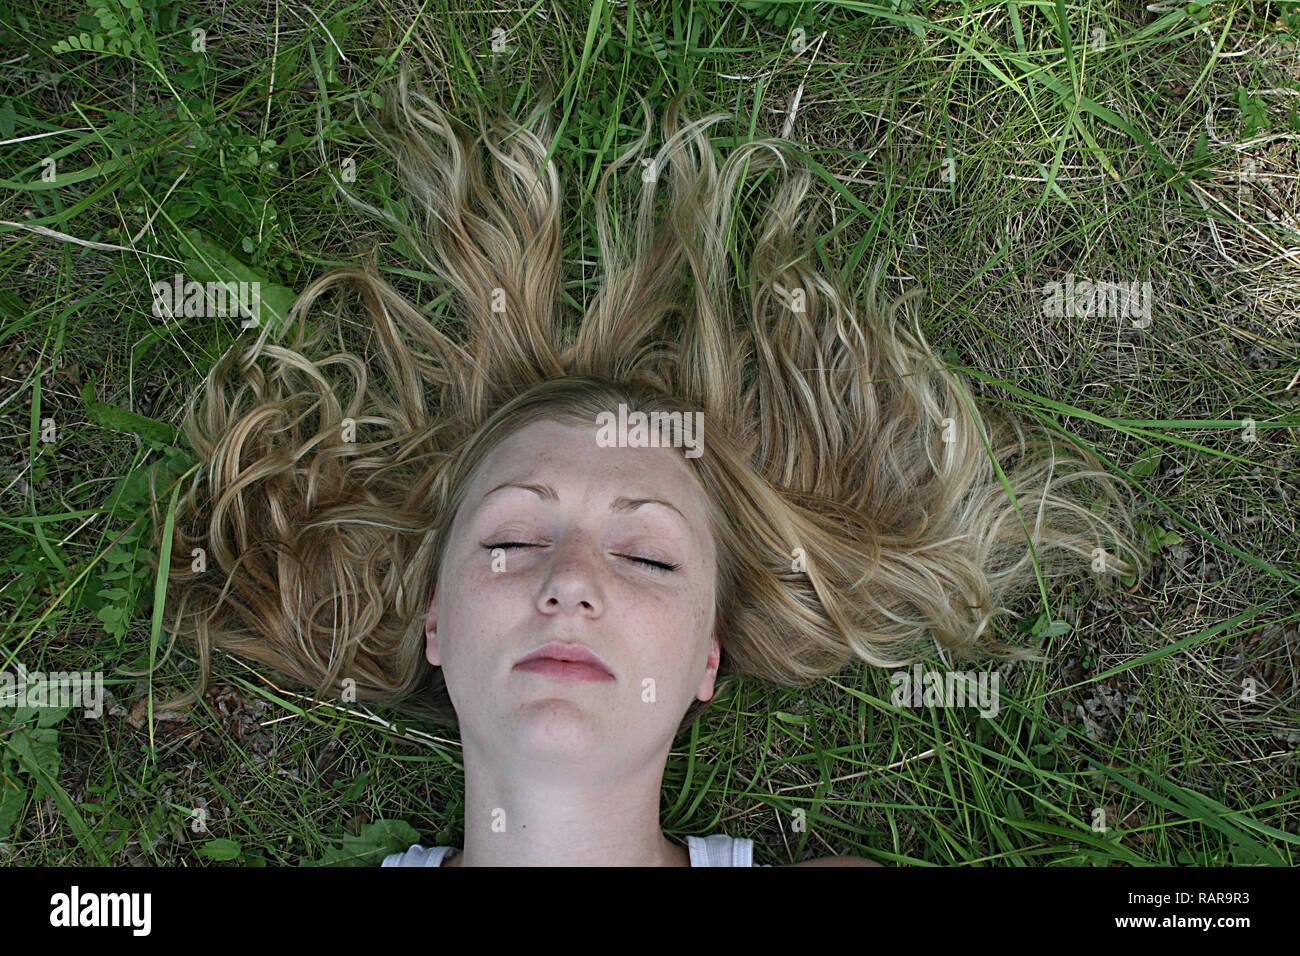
(645, 562)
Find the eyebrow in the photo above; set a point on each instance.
(547, 493)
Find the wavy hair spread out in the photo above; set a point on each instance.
(854, 500)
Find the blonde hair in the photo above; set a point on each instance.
(855, 501)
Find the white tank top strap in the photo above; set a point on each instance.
(720, 850)
(419, 856)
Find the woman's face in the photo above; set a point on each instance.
(583, 523)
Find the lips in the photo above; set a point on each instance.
(567, 662)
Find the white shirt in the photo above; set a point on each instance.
(716, 850)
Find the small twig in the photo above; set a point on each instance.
(363, 713)
(154, 214)
(106, 246)
(55, 132)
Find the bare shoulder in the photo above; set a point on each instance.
(838, 861)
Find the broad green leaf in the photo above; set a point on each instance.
(212, 263)
(220, 849)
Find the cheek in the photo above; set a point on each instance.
(459, 615)
(482, 605)
(680, 632)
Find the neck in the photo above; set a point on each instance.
(543, 815)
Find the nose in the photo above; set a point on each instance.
(571, 583)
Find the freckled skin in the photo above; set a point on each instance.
(579, 586)
(579, 763)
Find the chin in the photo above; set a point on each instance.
(559, 719)
(559, 733)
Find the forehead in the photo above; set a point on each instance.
(566, 456)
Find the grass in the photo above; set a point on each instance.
(986, 149)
